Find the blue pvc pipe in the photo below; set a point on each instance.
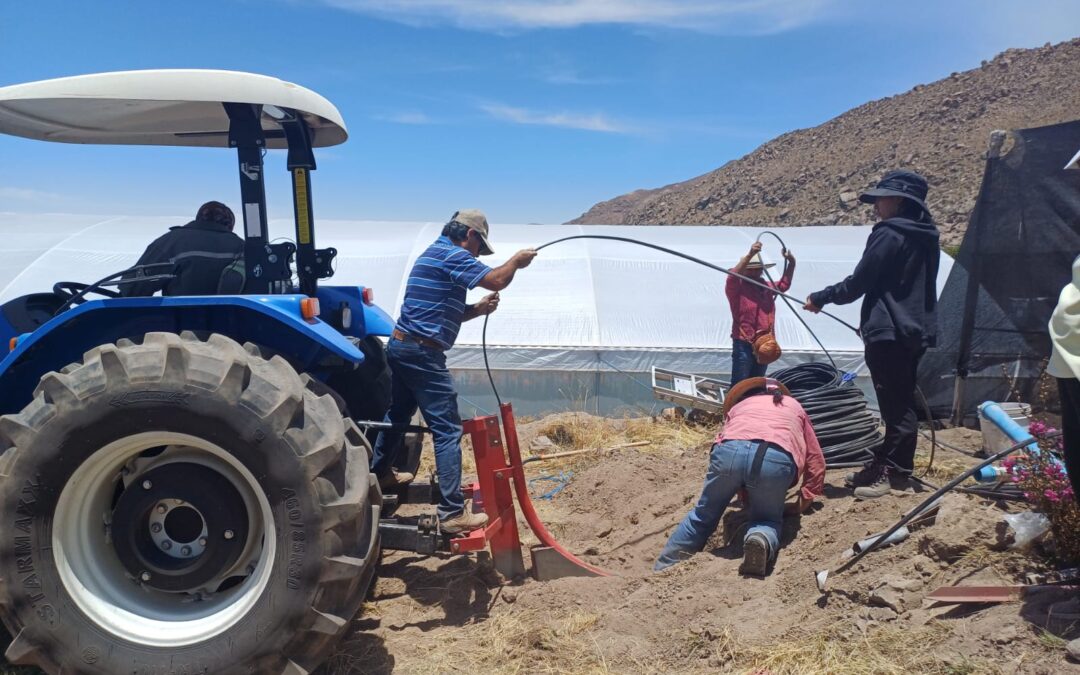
(993, 413)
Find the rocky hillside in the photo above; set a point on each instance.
(813, 176)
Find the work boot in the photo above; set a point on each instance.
(463, 522)
(901, 481)
(864, 476)
(395, 479)
(755, 560)
(879, 488)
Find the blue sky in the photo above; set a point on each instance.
(530, 110)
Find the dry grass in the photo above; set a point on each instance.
(947, 464)
(522, 642)
(842, 649)
(582, 431)
(585, 432)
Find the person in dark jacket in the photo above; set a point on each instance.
(200, 252)
(897, 279)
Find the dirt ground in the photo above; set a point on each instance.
(451, 614)
(615, 508)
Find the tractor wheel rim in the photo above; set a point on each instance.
(114, 598)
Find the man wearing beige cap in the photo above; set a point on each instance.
(431, 316)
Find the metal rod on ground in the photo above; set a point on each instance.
(822, 577)
(570, 453)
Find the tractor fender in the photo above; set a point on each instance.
(272, 321)
(366, 319)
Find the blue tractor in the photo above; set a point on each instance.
(183, 483)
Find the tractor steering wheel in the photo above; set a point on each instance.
(68, 290)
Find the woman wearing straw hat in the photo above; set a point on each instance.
(766, 445)
(753, 313)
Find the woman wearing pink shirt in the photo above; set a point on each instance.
(767, 443)
(753, 309)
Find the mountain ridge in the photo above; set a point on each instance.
(814, 175)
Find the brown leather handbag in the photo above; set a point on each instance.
(766, 348)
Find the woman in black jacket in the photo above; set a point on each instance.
(897, 279)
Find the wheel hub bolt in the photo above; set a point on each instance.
(155, 528)
(202, 541)
(161, 508)
(146, 485)
(186, 550)
(229, 534)
(145, 576)
(166, 545)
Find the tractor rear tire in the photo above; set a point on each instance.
(179, 443)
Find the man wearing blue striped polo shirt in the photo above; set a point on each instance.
(431, 316)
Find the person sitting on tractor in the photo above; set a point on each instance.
(766, 444)
(431, 316)
(200, 252)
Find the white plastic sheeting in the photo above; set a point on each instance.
(583, 306)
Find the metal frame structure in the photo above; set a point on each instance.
(692, 391)
(267, 266)
(500, 477)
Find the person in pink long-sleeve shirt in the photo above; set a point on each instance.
(753, 309)
(766, 445)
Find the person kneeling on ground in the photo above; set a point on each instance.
(766, 443)
(431, 316)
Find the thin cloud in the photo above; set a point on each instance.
(567, 120)
(408, 117)
(27, 195)
(722, 16)
(572, 77)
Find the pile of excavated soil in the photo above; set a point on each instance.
(451, 614)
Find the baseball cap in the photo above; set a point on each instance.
(475, 220)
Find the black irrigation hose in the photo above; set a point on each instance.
(846, 429)
(487, 366)
(943, 444)
(691, 258)
(918, 510)
(784, 248)
(837, 408)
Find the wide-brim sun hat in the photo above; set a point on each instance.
(905, 184)
(740, 390)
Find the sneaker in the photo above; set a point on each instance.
(395, 479)
(867, 475)
(879, 488)
(463, 522)
(755, 555)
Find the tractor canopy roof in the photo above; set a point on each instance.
(161, 107)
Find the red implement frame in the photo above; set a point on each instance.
(496, 468)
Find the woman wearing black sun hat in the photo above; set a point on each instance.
(897, 279)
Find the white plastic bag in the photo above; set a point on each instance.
(1027, 527)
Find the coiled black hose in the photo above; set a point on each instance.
(845, 426)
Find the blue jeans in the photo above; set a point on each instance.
(743, 363)
(730, 465)
(420, 379)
